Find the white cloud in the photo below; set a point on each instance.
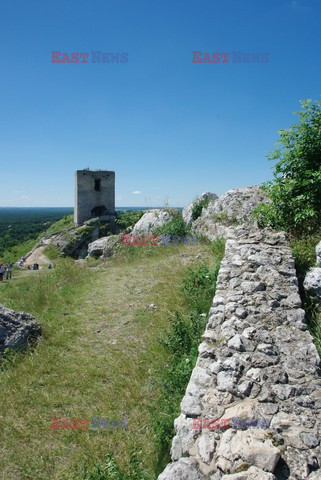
(137, 192)
(24, 197)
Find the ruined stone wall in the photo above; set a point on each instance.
(94, 195)
(257, 361)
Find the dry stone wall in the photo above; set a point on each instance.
(257, 361)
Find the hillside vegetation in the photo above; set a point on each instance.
(108, 351)
(20, 229)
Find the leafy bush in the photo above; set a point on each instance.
(199, 287)
(313, 317)
(295, 192)
(218, 248)
(128, 218)
(179, 340)
(303, 251)
(175, 227)
(198, 207)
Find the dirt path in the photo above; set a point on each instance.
(38, 256)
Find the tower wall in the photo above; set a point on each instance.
(94, 195)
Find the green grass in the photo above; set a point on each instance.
(180, 343)
(303, 250)
(313, 315)
(100, 355)
(176, 226)
(66, 222)
(128, 219)
(51, 252)
(14, 254)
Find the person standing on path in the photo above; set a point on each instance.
(1, 272)
(9, 271)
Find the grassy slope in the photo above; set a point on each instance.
(97, 358)
(13, 254)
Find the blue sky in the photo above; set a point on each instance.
(171, 129)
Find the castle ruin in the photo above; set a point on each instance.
(94, 195)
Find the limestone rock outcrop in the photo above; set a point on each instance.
(17, 329)
(257, 377)
(151, 221)
(231, 209)
(74, 242)
(188, 210)
(105, 246)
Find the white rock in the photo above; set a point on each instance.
(226, 382)
(184, 438)
(151, 221)
(191, 406)
(206, 446)
(252, 473)
(105, 246)
(220, 218)
(318, 252)
(312, 282)
(236, 343)
(252, 446)
(216, 366)
(187, 211)
(184, 469)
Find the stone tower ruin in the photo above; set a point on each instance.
(94, 195)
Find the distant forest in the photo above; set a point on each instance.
(18, 225)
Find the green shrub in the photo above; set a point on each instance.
(199, 287)
(303, 251)
(104, 230)
(128, 218)
(198, 207)
(313, 317)
(175, 227)
(295, 191)
(218, 248)
(181, 342)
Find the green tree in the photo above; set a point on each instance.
(295, 191)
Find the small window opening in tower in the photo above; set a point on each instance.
(97, 185)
